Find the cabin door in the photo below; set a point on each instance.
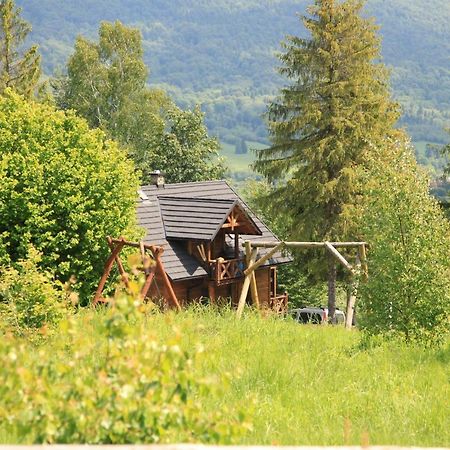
(273, 282)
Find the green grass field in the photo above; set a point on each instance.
(312, 385)
(309, 385)
(240, 163)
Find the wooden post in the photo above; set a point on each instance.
(131, 244)
(211, 292)
(352, 294)
(122, 271)
(363, 259)
(331, 289)
(338, 256)
(271, 244)
(107, 270)
(148, 282)
(144, 266)
(236, 245)
(171, 293)
(262, 260)
(243, 296)
(253, 285)
(201, 252)
(245, 286)
(150, 275)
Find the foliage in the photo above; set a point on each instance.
(102, 77)
(123, 386)
(323, 125)
(19, 72)
(30, 298)
(223, 56)
(186, 153)
(63, 189)
(302, 395)
(408, 292)
(105, 84)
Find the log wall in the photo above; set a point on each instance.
(188, 291)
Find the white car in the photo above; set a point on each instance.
(317, 315)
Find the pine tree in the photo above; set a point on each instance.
(336, 109)
(19, 71)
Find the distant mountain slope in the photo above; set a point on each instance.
(221, 52)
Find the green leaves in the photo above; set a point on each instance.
(321, 125)
(125, 386)
(105, 84)
(185, 152)
(408, 290)
(30, 299)
(101, 77)
(63, 189)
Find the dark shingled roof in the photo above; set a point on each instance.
(197, 218)
(174, 212)
(193, 218)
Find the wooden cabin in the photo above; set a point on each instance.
(202, 226)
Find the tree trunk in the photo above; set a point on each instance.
(331, 288)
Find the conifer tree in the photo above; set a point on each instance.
(18, 71)
(335, 110)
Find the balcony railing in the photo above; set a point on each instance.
(279, 303)
(225, 271)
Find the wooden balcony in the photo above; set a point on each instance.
(279, 303)
(226, 271)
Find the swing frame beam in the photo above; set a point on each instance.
(251, 251)
(151, 263)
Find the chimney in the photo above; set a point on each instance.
(157, 178)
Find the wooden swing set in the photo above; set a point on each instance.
(151, 266)
(252, 263)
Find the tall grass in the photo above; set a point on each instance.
(314, 385)
(311, 385)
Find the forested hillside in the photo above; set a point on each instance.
(221, 53)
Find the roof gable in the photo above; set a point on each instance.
(193, 218)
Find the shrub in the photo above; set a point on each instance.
(408, 291)
(30, 298)
(126, 387)
(63, 189)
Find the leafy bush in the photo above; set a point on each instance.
(30, 298)
(408, 291)
(124, 386)
(63, 189)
